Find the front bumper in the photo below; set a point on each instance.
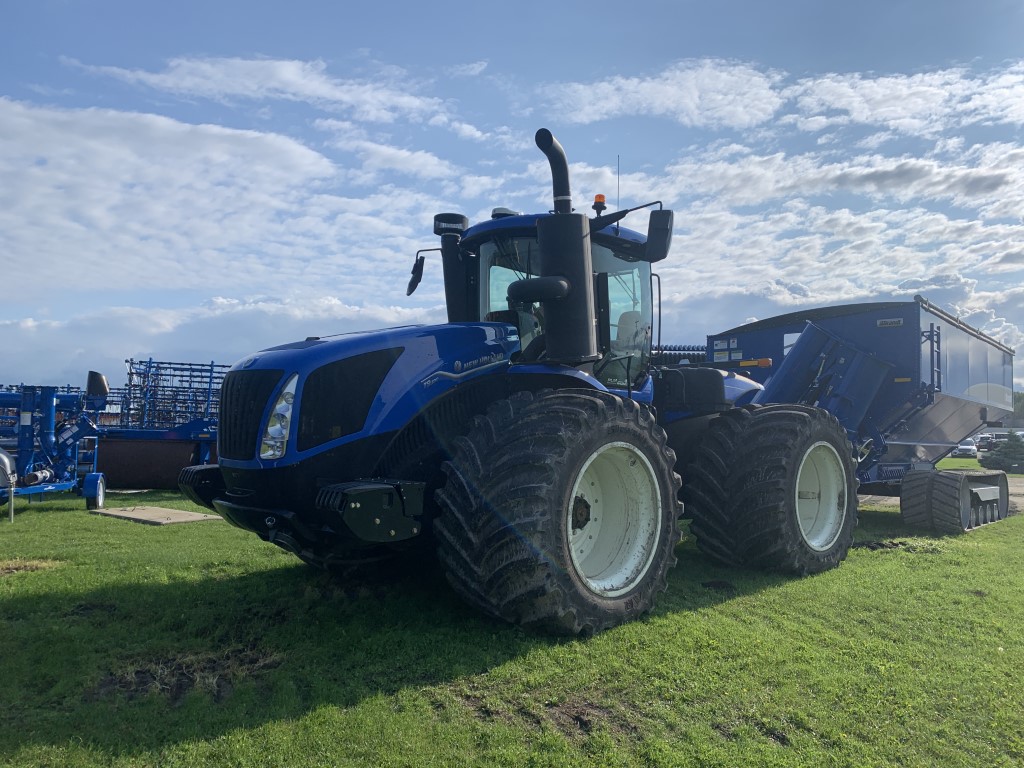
(364, 511)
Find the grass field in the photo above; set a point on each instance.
(958, 463)
(192, 645)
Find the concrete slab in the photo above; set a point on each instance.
(155, 515)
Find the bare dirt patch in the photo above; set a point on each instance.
(174, 677)
(7, 567)
(574, 718)
(1016, 487)
(768, 730)
(582, 717)
(889, 545)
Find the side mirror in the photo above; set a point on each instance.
(659, 235)
(417, 274)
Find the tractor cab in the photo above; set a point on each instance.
(576, 288)
(505, 251)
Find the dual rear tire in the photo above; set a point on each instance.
(773, 488)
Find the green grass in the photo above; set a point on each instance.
(958, 463)
(962, 463)
(132, 645)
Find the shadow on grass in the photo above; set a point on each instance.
(134, 668)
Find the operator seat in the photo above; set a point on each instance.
(628, 333)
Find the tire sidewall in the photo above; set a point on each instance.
(814, 560)
(503, 539)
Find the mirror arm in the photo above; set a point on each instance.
(417, 270)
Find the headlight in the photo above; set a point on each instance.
(275, 437)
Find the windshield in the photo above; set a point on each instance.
(504, 260)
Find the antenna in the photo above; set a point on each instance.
(617, 182)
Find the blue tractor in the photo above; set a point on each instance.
(530, 440)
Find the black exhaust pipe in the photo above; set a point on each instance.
(565, 287)
(549, 145)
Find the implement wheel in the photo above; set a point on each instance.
(95, 491)
(774, 488)
(916, 498)
(956, 505)
(560, 511)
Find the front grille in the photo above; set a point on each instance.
(243, 400)
(337, 397)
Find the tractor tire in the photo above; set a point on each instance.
(916, 498)
(774, 488)
(560, 511)
(707, 487)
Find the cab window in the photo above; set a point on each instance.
(504, 260)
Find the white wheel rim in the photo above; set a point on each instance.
(821, 496)
(613, 519)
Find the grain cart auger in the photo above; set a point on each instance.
(529, 439)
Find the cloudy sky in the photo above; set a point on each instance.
(192, 181)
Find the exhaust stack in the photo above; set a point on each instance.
(549, 145)
(566, 286)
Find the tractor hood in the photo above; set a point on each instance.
(338, 389)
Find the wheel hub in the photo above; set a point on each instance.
(580, 514)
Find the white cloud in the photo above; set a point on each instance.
(223, 79)
(117, 203)
(705, 93)
(223, 330)
(834, 189)
(922, 104)
(378, 158)
(468, 70)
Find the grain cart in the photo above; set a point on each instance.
(907, 380)
(529, 439)
(48, 440)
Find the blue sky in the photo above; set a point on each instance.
(194, 181)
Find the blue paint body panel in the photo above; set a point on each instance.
(434, 360)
